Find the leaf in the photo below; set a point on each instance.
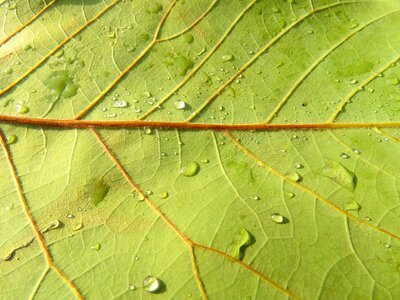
(140, 137)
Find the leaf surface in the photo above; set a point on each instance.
(231, 149)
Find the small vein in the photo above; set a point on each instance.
(317, 63)
(257, 55)
(35, 17)
(308, 191)
(58, 47)
(45, 250)
(129, 68)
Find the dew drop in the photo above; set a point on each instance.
(151, 284)
(22, 109)
(70, 216)
(227, 57)
(163, 195)
(352, 205)
(298, 166)
(241, 241)
(339, 174)
(11, 139)
(277, 218)
(132, 287)
(78, 226)
(54, 224)
(344, 156)
(294, 176)
(147, 130)
(290, 195)
(120, 104)
(353, 81)
(356, 151)
(188, 38)
(255, 197)
(96, 247)
(179, 105)
(190, 170)
(61, 84)
(96, 191)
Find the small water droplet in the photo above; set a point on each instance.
(227, 57)
(96, 247)
(96, 191)
(241, 241)
(188, 38)
(344, 156)
(294, 176)
(147, 130)
(132, 287)
(356, 151)
(11, 139)
(54, 224)
(151, 284)
(298, 166)
(70, 216)
(255, 197)
(61, 84)
(290, 195)
(163, 195)
(78, 226)
(179, 105)
(205, 161)
(191, 169)
(339, 174)
(352, 205)
(120, 104)
(277, 218)
(22, 109)
(353, 81)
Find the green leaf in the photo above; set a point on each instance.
(199, 149)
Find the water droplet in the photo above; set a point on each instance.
(353, 81)
(227, 57)
(78, 226)
(188, 38)
(153, 7)
(298, 166)
(163, 195)
(147, 130)
(22, 109)
(96, 191)
(352, 205)
(344, 156)
(294, 176)
(120, 104)
(132, 287)
(70, 216)
(191, 169)
(205, 161)
(8, 71)
(61, 84)
(96, 247)
(290, 195)
(184, 64)
(339, 174)
(241, 241)
(54, 224)
(151, 284)
(356, 151)
(11, 139)
(277, 218)
(255, 197)
(179, 105)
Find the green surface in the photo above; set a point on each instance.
(218, 214)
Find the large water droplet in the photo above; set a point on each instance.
(277, 218)
(191, 169)
(11, 139)
(151, 284)
(228, 57)
(294, 176)
(241, 241)
(96, 191)
(53, 224)
(61, 84)
(188, 38)
(184, 64)
(179, 105)
(339, 174)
